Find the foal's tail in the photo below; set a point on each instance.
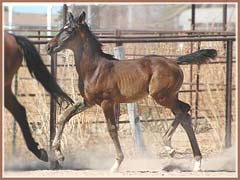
(198, 57)
(37, 69)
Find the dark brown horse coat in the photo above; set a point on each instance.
(15, 48)
(105, 82)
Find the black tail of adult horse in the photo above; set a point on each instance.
(37, 68)
(198, 57)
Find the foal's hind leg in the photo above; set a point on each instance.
(168, 136)
(108, 109)
(63, 119)
(169, 103)
(19, 113)
(180, 110)
(181, 113)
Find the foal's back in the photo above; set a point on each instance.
(137, 78)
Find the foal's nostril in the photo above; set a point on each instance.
(49, 48)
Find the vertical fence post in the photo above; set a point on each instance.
(39, 33)
(228, 121)
(224, 17)
(53, 163)
(191, 66)
(14, 120)
(197, 94)
(193, 16)
(132, 111)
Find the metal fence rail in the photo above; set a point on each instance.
(225, 37)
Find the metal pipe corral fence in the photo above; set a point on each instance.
(121, 38)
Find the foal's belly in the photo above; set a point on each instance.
(131, 98)
(132, 87)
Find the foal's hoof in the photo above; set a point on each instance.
(55, 165)
(171, 152)
(59, 156)
(43, 155)
(115, 167)
(197, 166)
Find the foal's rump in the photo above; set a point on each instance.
(155, 75)
(138, 78)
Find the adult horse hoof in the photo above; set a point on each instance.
(43, 155)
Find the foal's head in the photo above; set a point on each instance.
(73, 33)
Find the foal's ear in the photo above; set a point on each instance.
(82, 18)
(70, 17)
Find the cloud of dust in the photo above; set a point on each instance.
(94, 158)
(98, 158)
(225, 161)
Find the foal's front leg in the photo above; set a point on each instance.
(63, 119)
(108, 109)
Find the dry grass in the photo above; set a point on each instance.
(80, 133)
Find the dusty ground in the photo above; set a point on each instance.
(95, 161)
(101, 173)
(148, 167)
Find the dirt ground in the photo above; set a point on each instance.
(98, 173)
(96, 160)
(97, 156)
(221, 165)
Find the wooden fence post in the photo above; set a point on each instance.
(132, 108)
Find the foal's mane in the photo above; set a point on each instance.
(97, 45)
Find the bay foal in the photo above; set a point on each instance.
(104, 81)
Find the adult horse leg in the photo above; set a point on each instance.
(63, 119)
(108, 110)
(19, 113)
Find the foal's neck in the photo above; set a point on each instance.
(87, 56)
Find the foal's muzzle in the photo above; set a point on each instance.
(49, 48)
